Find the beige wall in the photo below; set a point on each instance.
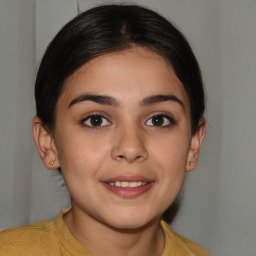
(16, 108)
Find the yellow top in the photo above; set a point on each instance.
(53, 238)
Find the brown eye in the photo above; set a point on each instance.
(157, 120)
(95, 121)
(160, 121)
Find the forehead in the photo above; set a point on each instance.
(128, 75)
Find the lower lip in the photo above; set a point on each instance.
(128, 192)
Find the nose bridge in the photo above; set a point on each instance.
(129, 144)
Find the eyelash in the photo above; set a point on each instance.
(170, 121)
(103, 119)
(165, 119)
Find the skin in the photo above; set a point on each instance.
(127, 143)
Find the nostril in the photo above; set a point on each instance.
(120, 157)
(129, 152)
(129, 158)
(138, 157)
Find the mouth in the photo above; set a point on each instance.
(127, 184)
(128, 187)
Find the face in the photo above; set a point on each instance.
(123, 138)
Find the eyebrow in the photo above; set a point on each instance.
(101, 99)
(154, 99)
(110, 101)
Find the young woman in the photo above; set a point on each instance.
(120, 106)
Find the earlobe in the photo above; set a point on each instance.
(45, 144)
(195, 146)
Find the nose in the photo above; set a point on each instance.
(129, 146)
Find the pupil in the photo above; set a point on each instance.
(96, 120)
(158, 120)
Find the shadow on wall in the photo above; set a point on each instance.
(172, 211)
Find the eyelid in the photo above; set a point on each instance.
(164, 115)
(93, 114)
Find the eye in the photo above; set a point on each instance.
(160, 120)
(95, 121)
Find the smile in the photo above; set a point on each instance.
(126, 184)
(128, 187)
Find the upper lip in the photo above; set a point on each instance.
(128, 179)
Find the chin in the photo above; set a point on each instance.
(130, 221)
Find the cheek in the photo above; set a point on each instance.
(170, 154)
(172, 150)
(81, 160)
(172, 163)
(80, 152)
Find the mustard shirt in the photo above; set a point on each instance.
(53, 238)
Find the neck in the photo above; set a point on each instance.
(147, 240)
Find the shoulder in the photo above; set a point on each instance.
(27, 231)
(27, 239)
(192, 246)
(179, 244)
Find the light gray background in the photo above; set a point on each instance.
(219, 206)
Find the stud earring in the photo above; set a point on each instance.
(191, 163)
(52, 162)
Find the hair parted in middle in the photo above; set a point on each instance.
(112, 28)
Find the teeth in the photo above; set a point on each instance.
(126, 184)
(133, 184)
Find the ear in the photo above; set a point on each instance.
(195, 146)
(45, 144)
